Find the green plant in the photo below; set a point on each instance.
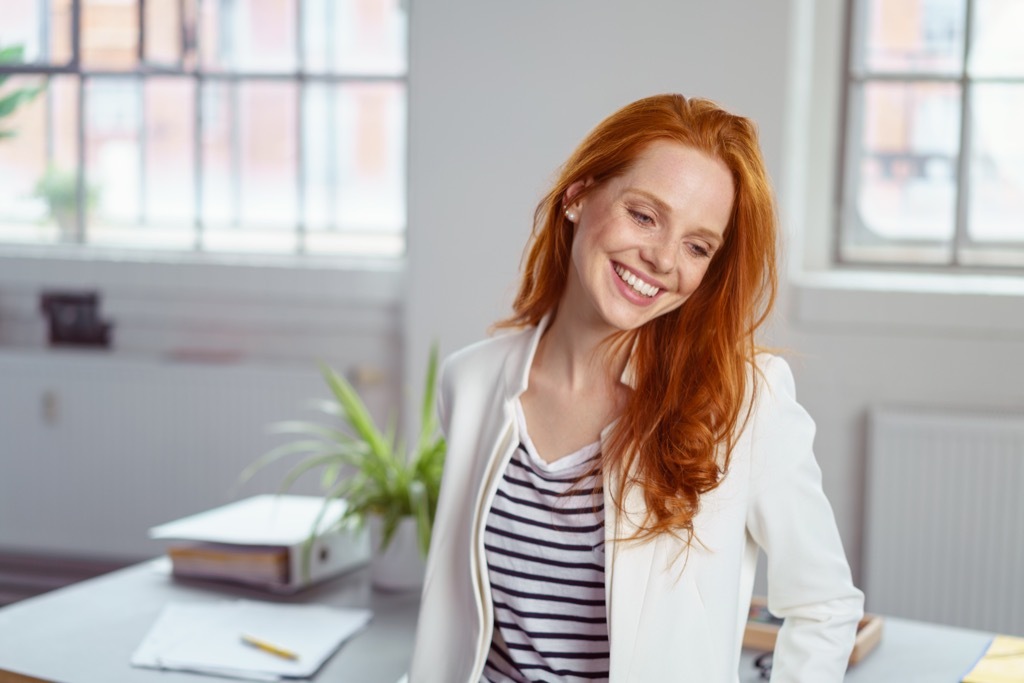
(368, 467)
(59, 187)
(10, 102)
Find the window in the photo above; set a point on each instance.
(222, 126)
(934, 158)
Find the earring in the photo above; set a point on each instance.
(571, 215)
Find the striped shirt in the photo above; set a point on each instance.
(544, 543)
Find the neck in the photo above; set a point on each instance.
(580, 356)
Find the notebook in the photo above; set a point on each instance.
(208, 638)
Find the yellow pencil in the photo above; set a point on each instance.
(261, 644)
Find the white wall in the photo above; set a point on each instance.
(500, 93)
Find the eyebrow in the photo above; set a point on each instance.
(662, 207)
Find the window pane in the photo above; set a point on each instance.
(59, 50)
(113, 154)
(904, 179)
(22, 26)
(170, 158)
(355, 162)
(45, 38)
(163, 33)
(997, 48)
(253, 36)
(997, 164)
(156, 208)
(913, 35)
(355, 36)
(250, 160)
(218, 205)
(23, 162)
(110, 34)
(42, 200)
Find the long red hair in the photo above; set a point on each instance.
(693, 365)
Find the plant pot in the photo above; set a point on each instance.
(401, 566)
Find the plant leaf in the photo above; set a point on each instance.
(11, 101)
(428, 418)
(310, 446)
(356, 413)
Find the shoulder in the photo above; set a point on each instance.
(778, 429)
(771, 374)
(486, 356)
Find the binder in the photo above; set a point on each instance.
(261, 541)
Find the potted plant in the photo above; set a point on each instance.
(11, 101)
(59, 188)
(385, 486)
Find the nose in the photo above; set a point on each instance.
(660, 255)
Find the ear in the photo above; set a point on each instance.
(573, 190)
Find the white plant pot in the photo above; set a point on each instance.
(401, 566)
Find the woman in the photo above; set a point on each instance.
(614, 465)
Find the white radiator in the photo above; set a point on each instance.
(95, 449)
(944, 534)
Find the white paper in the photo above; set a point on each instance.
(207, 638)
(261, 520)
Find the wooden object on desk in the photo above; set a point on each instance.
(763, 628)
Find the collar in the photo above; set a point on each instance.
(518, 363)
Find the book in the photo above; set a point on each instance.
(1003, 662)
(263, 541)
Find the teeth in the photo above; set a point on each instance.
(636, 283)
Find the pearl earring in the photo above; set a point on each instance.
(571, 215)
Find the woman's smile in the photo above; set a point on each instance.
(638, 285)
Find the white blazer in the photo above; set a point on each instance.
(673, 614)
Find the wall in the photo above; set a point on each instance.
(498, 102)
(865, 339)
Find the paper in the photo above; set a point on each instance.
(1003, 662)
(261, 520)
(207, 638)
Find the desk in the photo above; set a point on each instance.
(86, 633)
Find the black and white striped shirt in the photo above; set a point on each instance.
(544, 544)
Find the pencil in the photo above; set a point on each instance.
(261, 644)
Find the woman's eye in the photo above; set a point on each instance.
(641, 217)
(700, 250)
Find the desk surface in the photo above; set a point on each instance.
(86, 633)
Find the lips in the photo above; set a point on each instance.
(637, 284)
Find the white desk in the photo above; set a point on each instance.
(86, 633)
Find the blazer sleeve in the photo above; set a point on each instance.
(809, 581)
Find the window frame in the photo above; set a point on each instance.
(850, 152)
(145, 70)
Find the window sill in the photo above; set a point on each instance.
(914, 303)
(279, 307)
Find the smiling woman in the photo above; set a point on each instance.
(615, 464)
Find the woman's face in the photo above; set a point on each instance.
(644, 240)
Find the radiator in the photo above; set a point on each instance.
(944, 528)
(95, 449)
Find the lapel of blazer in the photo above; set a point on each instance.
(628, 565)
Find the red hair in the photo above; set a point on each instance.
(692, 365)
